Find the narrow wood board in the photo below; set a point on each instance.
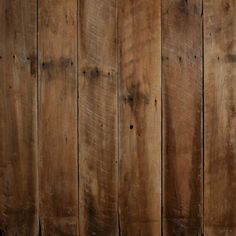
(98, 115)
(18, 113)
(140, 117)
(182, 112)
(220, 117)
(58, 172)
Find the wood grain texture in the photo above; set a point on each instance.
(140, 117)
(58, 173)
(182, 133)
(98, 117)
(18, 109)
(220, 117)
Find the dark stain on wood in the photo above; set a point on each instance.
(33, 65)
(130, 99)
(183, 6)
(91, 223)
(62, 63)
(47, 65)
(231, 58)
(136, 97)
(226, 6)
(95, 73)
(65, 62)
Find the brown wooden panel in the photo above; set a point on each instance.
(140, 117)
(98, 117)
(220, 121)
(58, 117)
(182, 133)
(18, 109)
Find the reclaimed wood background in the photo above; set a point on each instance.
(117, 118)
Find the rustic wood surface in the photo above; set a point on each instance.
(117, 118)
(18, 118)
(220, 123)
(182, 112)
(98, 127)
(58, 175)
(140, 117)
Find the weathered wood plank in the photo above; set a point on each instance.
(220, 117)
(58, 173)
(140, 117)
(98, 117)
(18, 113)
(182, 105)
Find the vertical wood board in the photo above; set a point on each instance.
(140, 117)
(98, 132)
(220, 117)
(182, 112)
(58, 170)
(18, 120)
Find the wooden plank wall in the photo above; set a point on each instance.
(117, 117)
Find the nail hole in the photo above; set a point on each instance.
(227, 7)
(130, 98)
(131, 126)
